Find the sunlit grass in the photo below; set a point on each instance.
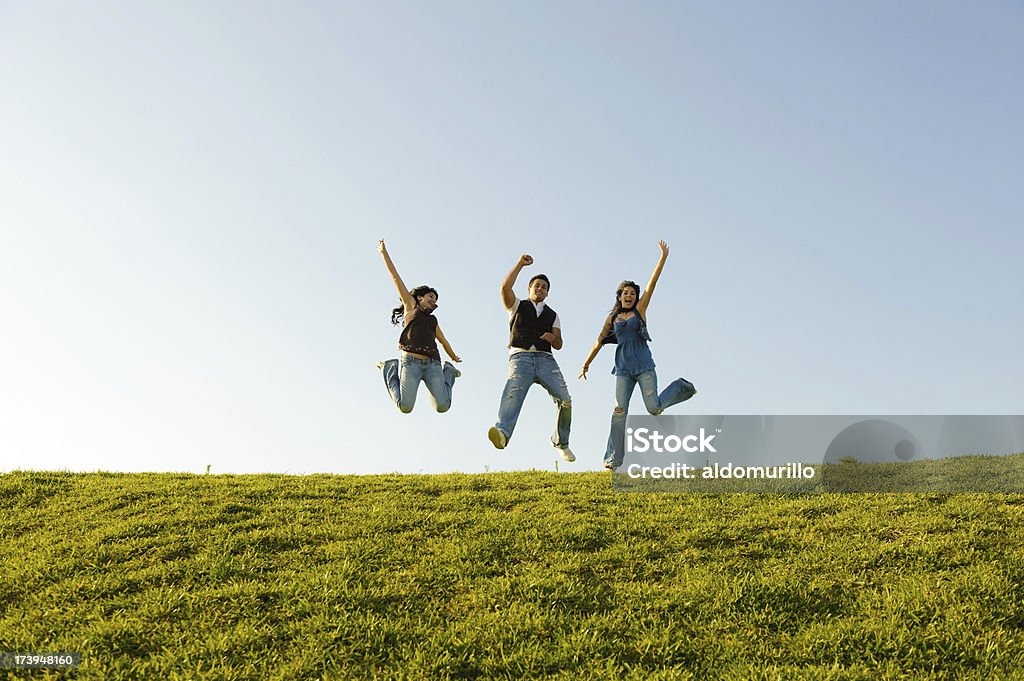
(503, 576)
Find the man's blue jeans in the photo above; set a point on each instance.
(677, 391)
(525, 369)
(403, 376)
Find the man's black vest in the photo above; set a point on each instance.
(525, 328)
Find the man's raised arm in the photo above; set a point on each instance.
(507, 296)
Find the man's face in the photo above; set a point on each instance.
(538, 290)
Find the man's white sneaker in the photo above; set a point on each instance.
(497, 438)
(566, 453)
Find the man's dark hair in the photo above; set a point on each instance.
(540, 276)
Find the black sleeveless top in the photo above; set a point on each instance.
(419, 334)
(525, 327)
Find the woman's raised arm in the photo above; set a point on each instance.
(645, 299)
(407, 301)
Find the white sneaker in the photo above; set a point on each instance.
(566, 453)
(497, 438)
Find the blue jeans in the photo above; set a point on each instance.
(677, 391)
(403, 376)
(525, 369)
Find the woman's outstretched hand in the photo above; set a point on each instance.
(381, 247)
(583, 373)
(662, 244)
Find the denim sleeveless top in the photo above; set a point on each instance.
(632, 355)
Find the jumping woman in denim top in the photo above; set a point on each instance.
(420, 360)
(627, 327)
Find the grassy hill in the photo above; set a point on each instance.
(502, 576)
(951, 475)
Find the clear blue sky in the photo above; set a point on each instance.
(191, 195)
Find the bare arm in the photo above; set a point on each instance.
(507, 297)
(645, 299)
(554, 336)
(597, 347)
(444, 344)
(403, 292)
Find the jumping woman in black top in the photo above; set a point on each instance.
(420, 360)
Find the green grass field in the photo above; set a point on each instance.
(524, 575)
(952, 475)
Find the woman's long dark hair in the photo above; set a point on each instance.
(608, 333)
(618, 293)
(398, 314)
